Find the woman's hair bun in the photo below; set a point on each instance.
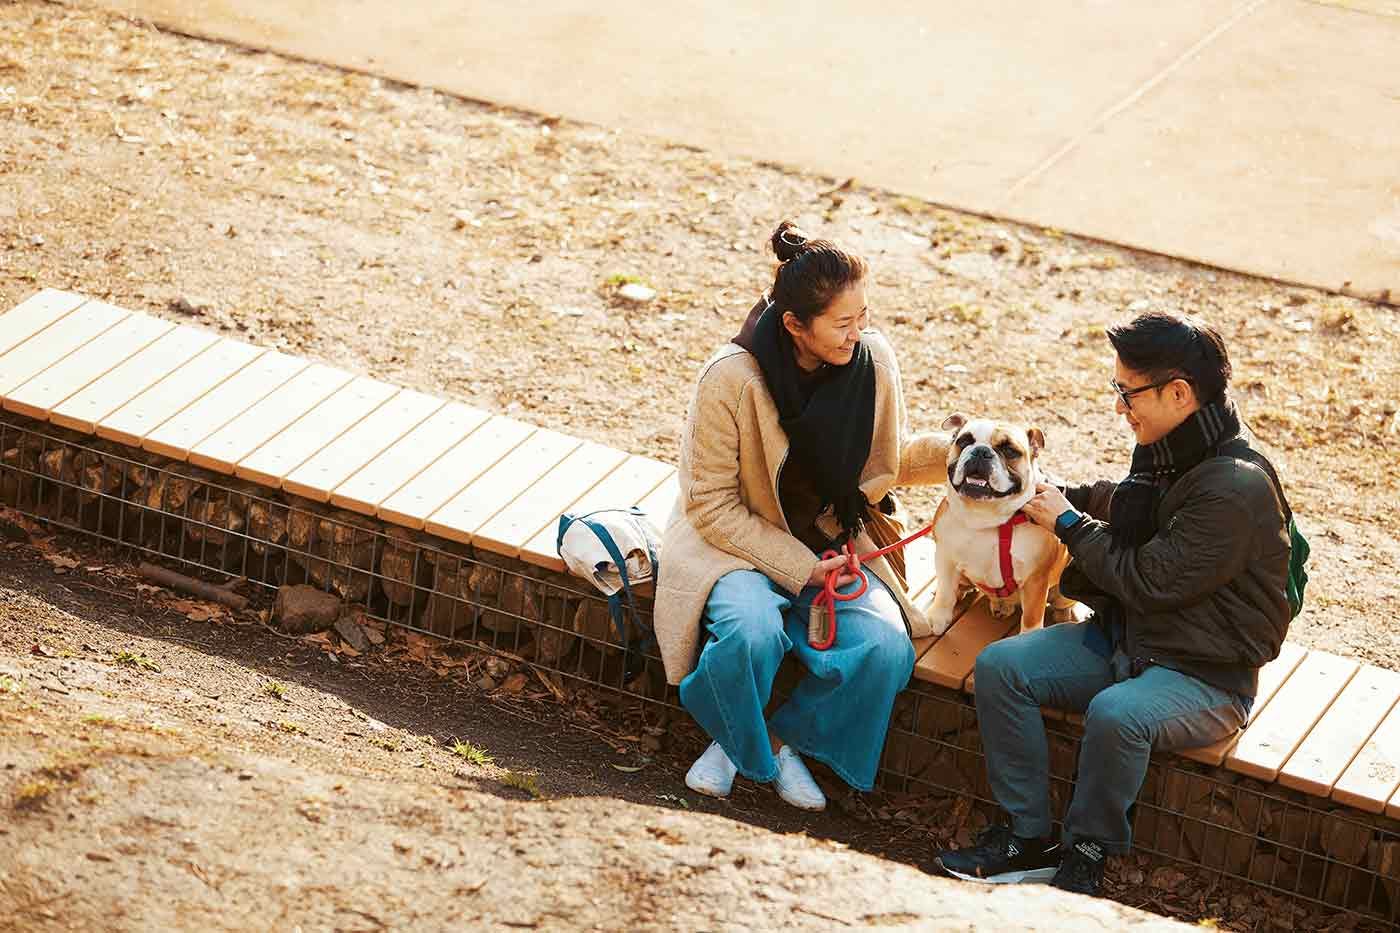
(788, 241)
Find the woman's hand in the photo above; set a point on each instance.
(824, 567)
(1046, 506)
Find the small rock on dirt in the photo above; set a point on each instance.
(194, 307)
(352, 634)
(1167, 879)
(635, 291)
(301, 610)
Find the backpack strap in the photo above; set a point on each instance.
(1239, 449)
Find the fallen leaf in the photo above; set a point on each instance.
(61, 563)
(514, 683)
(628, 769)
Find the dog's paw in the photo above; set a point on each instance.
(939, 620)
(1003, 608)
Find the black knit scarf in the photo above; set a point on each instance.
(829, 431)
(1133, 513)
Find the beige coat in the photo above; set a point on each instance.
(728, 515)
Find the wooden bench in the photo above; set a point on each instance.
(1322, 724)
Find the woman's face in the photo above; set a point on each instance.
(831, 336)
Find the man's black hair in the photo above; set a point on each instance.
(1164, 346)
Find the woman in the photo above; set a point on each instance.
(792, 442)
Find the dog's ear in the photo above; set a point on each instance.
(955, 421)
(1037, 439)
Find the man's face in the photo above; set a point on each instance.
(1154, 413)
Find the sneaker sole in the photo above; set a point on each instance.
(1028, 876)
(709, 791)
(809, 807)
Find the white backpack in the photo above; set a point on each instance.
(615, 550)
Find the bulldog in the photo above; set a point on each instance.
(978, 529)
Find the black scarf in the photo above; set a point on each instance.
(829, 431)
(1133, 513)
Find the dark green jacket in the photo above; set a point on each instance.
(1207, 594)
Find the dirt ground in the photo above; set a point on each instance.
(164, 776)
(474, 252)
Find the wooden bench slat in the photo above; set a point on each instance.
(384, 427)
(472, 456)
(1373, 776)
(919, 567)
(539, 506)
(1275, 734)
(176, 437)
(922, 645)
(415, 452)
(85, 365)
(34, 314)
(307, 436)
(45, 348)
(180, 389)
(83, 410)
(499, 486)
(1271, 676)
(1392, 809)
(661, 501)
(267, 417)
(624, 487)
(951, 659)
(1342, 732)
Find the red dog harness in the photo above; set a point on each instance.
(1008, 575)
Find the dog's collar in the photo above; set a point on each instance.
(1008, 574)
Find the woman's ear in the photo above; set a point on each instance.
(793, 324)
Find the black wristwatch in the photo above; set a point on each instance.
(1067, 520)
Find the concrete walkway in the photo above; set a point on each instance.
(1257, 135)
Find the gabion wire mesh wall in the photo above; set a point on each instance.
(1297, 847)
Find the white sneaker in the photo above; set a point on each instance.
(712, 774)
(795, 783)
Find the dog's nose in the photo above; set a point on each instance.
(981, 452)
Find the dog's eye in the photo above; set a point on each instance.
(1008, 451)
(963, 441)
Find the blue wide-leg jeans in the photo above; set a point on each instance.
(839, 712)
(1069, 667)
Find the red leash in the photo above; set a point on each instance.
(827, 599)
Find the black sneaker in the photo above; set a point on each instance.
(1001, 857)
(1082, 869)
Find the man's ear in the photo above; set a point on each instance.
(955, 421)
(1037, 439)
(1183, 392)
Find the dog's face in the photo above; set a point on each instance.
(989, 460)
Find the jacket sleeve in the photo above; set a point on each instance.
(714, 506)
(1092, 499)
(1204, 545)
(923, 461)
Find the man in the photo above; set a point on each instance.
(1185, 564)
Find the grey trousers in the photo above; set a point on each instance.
(1067, 667)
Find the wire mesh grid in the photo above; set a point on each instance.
(1290, 845)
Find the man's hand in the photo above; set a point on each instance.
(824, 567)
(1046, 506)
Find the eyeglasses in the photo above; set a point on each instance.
(1127, 394)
